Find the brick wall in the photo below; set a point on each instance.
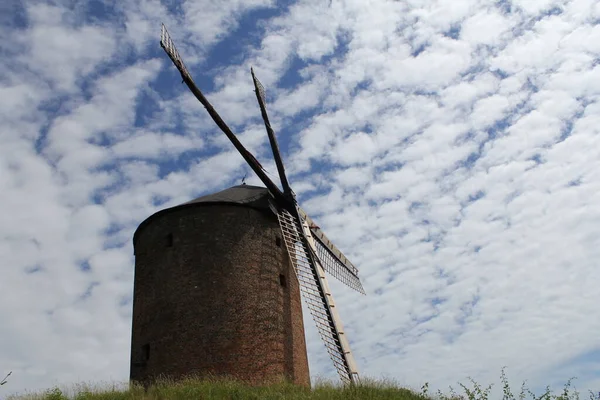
(214, 292)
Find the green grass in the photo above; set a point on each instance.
(217, 389)
(230, 390)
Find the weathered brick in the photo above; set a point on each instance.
(213, 302)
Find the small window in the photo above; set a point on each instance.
(282, 281)
(146, 352)
(278, 241)
(169, 240)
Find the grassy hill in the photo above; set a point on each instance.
(231, 390)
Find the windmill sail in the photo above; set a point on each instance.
(260, 96)
(308, 257)
(333, 260)
(317, 295)
(167, 44)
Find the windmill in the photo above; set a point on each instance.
(311, 252)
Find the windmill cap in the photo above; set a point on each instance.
(241, 195)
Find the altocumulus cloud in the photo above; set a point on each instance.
(451, 149)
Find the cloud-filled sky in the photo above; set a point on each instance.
(450, 148)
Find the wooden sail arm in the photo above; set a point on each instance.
(260, 96)
(169, 47)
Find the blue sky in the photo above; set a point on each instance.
(450, 149)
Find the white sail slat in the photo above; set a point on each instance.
(318, 300)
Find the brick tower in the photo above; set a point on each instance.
(215, 293)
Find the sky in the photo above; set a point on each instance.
(450, 149)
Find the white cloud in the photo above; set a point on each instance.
(153, 145)
(536, 6)
(61, 53)
(143, 19)
(486, 27)
(209, 21)
(489, 110)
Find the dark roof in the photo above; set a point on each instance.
(243, 195)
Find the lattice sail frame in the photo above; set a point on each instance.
(317, 294)
(261, 90)
(332, 258)
(167, 44)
